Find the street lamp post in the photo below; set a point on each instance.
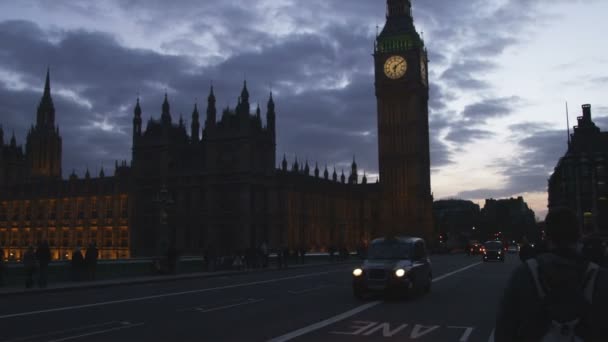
(165, 238)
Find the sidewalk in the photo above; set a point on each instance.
(67, 286)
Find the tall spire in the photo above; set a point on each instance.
(245, 92)
(271, 119)
(47, 83)
(211, 110)
(244, 108)
(13, 140)
(46, 109)
(195, 126)
(166, 116)
(136, 121)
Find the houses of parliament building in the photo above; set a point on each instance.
(217, 185)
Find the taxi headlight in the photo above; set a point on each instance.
(499, 252)
(400, 273)
(357, 272)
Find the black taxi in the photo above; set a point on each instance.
(400, 265)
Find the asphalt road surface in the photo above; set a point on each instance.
(309, 304)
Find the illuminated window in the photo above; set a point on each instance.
(94, 208)
(93, 237)
(124, 237)
(14, 237)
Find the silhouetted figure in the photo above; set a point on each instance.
(264, 254)
(29, 265)
(526, 251)
(90, 261)
(172, 259)
(332, 253)
(77, 264)
(557, 295)
(592, 246)
(43, 254)
(302, 254)
(1, 266)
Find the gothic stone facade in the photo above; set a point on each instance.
(580, 177)
(216, 186)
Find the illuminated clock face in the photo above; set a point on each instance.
(395, 67)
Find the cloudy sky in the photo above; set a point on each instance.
(500, 73)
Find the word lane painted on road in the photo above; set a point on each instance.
(406, 330)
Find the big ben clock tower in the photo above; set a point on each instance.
(402, 94)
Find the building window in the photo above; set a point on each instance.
(3, 237)
(107, 237)
(15, 212)
(52, 237)
(124, 237)
(94, 207)
(28, 211)
(109, 213)
(124, 207)
(79, 237)
(80, 209)
(53, 210)
(14, 237)
(67, 209)
(65, 238)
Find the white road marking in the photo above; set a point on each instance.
(467, 332)
(325, 323)
(295, 292)
(457, 271)
(139, 299)
(58, 332)
(129, 326)
(350, 313)
(250, 301)
(421, 330)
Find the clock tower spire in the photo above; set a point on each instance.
(402, 94)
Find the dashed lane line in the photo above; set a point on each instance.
(350, 313)
(165, 295)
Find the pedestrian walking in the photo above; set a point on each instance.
(43, 254)
(172, 259)
(264, 254)
(1, 266)
(526, 251)
(558, 295)
(29, 265)
(90, 261)
(77, 264)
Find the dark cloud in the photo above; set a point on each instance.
(315, 56)
(491, 108)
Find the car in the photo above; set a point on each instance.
(397, 265)
(475, 249)
(494, 250)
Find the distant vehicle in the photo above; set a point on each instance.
(494, 250)
(400, 265)
(475, 249)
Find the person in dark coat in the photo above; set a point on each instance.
(43, 254)
(526, 251)
(523, 315)
(29, 265)
(77, 264)
(90, 261)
